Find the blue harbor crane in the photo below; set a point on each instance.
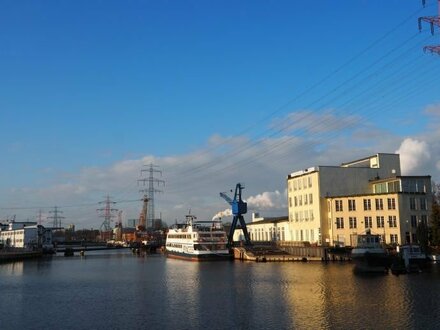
(238, 209)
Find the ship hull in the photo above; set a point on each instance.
(371, 262)
(198, 257)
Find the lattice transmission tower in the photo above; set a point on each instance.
(433, 22)
(108, 213)
(56, 217)
(150, 191)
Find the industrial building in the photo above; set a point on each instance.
(25, 235)
(329, 204)
(266, 229)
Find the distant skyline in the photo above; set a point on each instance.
(212, 92)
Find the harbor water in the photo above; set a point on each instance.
(119, 290)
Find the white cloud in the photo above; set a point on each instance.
(433, 110)
(314, 122)
(194, 180)
(413, 154)
(267, 200)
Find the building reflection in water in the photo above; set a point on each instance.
(331, 296)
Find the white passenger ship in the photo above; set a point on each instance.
(197, 240)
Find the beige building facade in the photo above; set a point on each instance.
(328, 204)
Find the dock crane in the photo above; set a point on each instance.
(238, 209)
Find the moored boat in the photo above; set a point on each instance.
(413, 257)
(197, 241)
(368, 255)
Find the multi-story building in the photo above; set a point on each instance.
(329, 204)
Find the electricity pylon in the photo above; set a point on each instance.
(150, 191)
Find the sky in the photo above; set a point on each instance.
(211, 92)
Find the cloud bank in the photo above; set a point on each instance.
(194, 180)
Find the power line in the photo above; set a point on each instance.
(313, 87)
(214, 163)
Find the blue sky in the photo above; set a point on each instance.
(214, 92)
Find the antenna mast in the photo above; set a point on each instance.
(149, 193)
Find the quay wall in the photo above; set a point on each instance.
(309, 252)
(315, 252)
(16, 254)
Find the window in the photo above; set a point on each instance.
(311, 215)
(424, 219)
(352, 222)
(339, 223)
(393, 238)
(380, 222)
(296, 201)
(394, 186)
(295, 185)
(392, 221)
(306, 215)
(296, 217)
(304, 182)
(380, 188)
(421, 186)
(368, 222)
(391, 203)
(379, 204)
(352, 205)
(305, 199)
(423, 204)
(310, 181)
(367, 204)
(414, 221)
(338, 205)
(310, 199)
(290, 201)
(412, 203)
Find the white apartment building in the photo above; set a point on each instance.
(328, 204)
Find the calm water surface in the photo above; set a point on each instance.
(117, 290)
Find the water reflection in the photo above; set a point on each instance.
(123, 291)
(331, 296)
(12, 269)
(225, 295)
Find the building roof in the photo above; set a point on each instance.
(367, 158)
(377, 180)
(269, 220)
